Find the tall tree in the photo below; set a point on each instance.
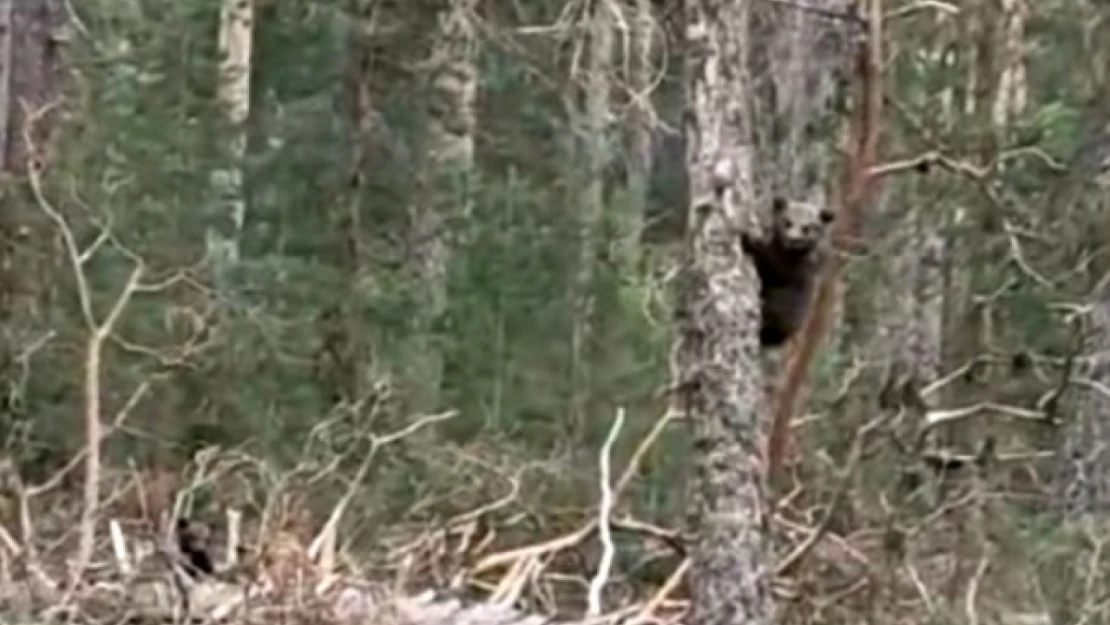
(29, 47)
(592, 124)
(640, 124)
(233, 91)
(719, 380)
(448, 151)
(30, 89)
(339, 361)
(799, 59)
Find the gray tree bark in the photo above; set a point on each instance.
(591, 112)
(719, 380)
(640, 125)
(1083, 477)
(29, 84)
(29, 46)
(448, 151)
(233, 92)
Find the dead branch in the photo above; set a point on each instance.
(647, 613)
(326, 535)
(98, 333)
(939, 417)
(794, 558)
(512, 556)
(808, 7)
(604, 510)
(921, 6)
(117, 422)
(633, 466)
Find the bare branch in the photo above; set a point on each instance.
(921, 6)
(604, 510)
(70, 242)
(818, 10)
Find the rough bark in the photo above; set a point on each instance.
(30, 49)
(800, 62)
(233, 92)
(452, 82)
(799, 58)
(719, 380)
(1081, 480)
(856, 191)
(6, 60)
(1083, 475)
(1012, 93)
(910, 331)
(30, 66)
(592, 123)
(345, 347)
(639, 130)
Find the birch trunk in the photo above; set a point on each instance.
(716, 358)
(229, 209)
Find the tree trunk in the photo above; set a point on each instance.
(229, 203)
(638, 133)
(719, 380)
(909, 340)
(799, 62)
(1081, 483)
(1012, 94)
(592, 126)
(452, 83)
(339, 360)
(29, 84)
(29, 47)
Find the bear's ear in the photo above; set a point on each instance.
(826, 216)
(778, 204)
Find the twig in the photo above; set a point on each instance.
(98, 332)
(672, 538)
(504, 558)
(604, 510)
(121, 416)
(817, 10)
(633, 465)
(939, 417)
(795, 557)
(647, 612)
(973, 591)
(119, 548)
(234, 525)
(512, 556)
(920, 6)
(376, 443)
(1019, 258)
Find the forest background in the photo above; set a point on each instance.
(279, 231)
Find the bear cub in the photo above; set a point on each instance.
(787, 260)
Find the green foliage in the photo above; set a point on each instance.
(142, 137)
